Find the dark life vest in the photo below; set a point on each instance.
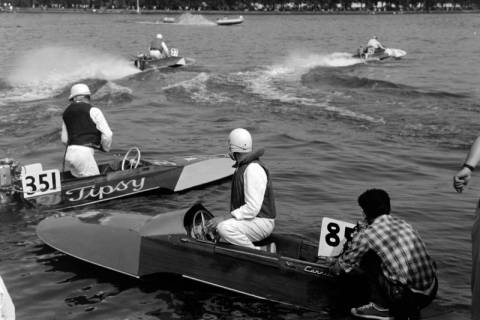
(237, 198)
(156, 44)
(80, 126)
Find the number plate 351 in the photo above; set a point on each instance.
(37, 182)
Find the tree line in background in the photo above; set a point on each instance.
(359, 6)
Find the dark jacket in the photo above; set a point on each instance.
(237, 198)
(80, 126)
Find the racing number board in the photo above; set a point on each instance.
(333, 235)
(37, 182)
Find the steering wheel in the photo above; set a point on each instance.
(199, 229)
(134, 161)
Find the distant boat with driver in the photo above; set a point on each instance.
(372, 54)
(227, 21)
(146, 62)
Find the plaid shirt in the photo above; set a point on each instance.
(402, 252)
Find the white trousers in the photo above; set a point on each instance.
(156, 54)
(80, 161)
(243, 232)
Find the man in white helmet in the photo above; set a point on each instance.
(252, 204)
(375, 44)
(158, 48)
(84, 129)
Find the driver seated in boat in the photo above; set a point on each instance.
(402, 276)
(375, 44)
(84, 129)
(252, 204)
(158, 48)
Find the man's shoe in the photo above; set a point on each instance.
(371, 311)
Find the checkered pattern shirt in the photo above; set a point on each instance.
(402, 252)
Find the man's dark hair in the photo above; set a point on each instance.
(374, 202)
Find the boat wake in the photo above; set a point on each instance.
(45, 72)
(280, 82)
(197, 89)
(194, 19)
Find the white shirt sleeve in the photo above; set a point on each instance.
(102, 126)
(64, 133)
(255, 184)
(165, 49)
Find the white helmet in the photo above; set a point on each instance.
(159, 36)
(79, 89)
(240, 141)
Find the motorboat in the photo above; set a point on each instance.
(168, 20)
(372, 54)
(227, 21)
(178, 242)
(33, 186)
(146, 62)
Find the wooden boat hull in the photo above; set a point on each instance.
(148, 64)
(139, 246)
(382, 55)
(167, 176)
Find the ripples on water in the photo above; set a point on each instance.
(332, 127)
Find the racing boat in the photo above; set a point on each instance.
(145, 62)
(33, 186)
(225, 21)
(177, 242)
(370, 54)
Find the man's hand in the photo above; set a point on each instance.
(335, 268)
(461, 179)
(212, 223)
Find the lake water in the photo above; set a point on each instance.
(332, 127)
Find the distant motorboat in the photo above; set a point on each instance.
(169, 20)
(225, 21)
(371, 54)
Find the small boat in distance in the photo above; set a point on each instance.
(225, 21)
(169, 20)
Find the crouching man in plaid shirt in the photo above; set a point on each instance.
(401, 274)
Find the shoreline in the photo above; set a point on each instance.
(230, 12)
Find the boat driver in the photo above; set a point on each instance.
(158, 48)
(252, 204)
(84, 129)
(401, 275)
(375, 44)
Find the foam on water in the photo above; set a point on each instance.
(112, 89)
(265, 82)
(198, 90)
(46, 71)
(194, 19)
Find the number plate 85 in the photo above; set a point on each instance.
(333, 235)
